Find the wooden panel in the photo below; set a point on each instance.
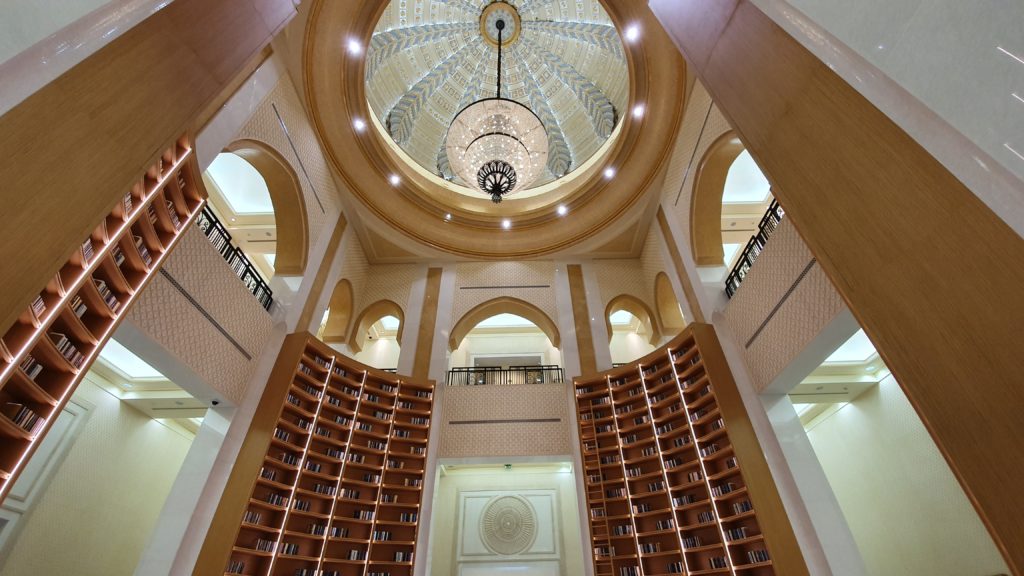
(71, 149)
(428, 324)
(581, 319)
(224, 527)
(921, 261)
(771, 514)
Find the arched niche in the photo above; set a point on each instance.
(637, 308)
(289, 204)
(706, 200)
(340, 313)
(368, 317)
(669, 311)
(504, 305)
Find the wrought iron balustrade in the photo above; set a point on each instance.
(236, 259)
(496, 375)
(754, 247)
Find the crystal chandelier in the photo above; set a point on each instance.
(497, 145)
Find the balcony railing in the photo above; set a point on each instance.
(243, 268)
(496, 375)
(755, 246)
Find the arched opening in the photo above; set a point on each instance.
(706, 201)
(339, 313)
(505, 341)
(376, 336)
(730, 195)
(257, 197)
(633, 331)
(669, 311)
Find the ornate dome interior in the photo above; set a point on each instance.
(429, 59)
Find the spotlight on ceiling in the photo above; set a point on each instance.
(638, 111)
(633, 33)
(395, 179)
(448, 216)
(359, 124)
(609, 173)
(562, 210)
(355, 48)
(506, 223)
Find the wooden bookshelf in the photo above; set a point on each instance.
(330, 478)
(676, 482)
(45, 354)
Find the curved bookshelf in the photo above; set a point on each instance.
(675, 480)
(50, 347)
(332, 485)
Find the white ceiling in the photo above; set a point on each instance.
(857, 349)
(242, 186)
(123, 360)
(745, 184)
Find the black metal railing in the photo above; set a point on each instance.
(236, 259)
(496, 375)
(755, 246)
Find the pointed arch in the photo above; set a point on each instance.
(504, 305)
(637, 308)
(340, 313)
(368, 317)
(290, 215)
(706, 200)
(670, 314)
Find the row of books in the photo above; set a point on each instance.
(30, 366)
(107, 295)
(67, 349)
(23, 417)
(78, 306)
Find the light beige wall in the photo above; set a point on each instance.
(511, 343)
(445, 514)
(224, 360)
(626, 346)
(380, 353)
(495, 406)
(907, 512)
(97, 513)
(22, 24)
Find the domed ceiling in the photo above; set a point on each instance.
(429, 59)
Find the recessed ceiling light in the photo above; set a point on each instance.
(447, 216)
(395, 179)
(359, 124)
(562, 210)
(638, 111)
(355, 48)
(506, 223)
(633, 33)
(609, 173)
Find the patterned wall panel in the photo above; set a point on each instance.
(702, 124)
(265, 125)
(478, 282)
(652, 258)
(354, 267)
(479, 421)
(784, 302)
(201, 312)
(618, 277)
(388, 282)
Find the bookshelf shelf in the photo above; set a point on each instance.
(673, 469)
(333, 478)
(44, 355)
